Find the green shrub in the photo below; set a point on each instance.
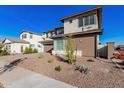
(30, 50)
(35, 51)
(71, 58)
(26, 51)
(82, 69)
(50, 60)
(113, 57)
(3, 53)
(58, 68)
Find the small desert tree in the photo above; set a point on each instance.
(70, 50)
(26, 50)
(35, 50)
(30, 50)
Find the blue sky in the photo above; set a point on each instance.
(38, 19)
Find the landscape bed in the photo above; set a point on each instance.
(99, 73)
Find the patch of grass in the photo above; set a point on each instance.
(51, 59)
(58, 68)
(40, 56)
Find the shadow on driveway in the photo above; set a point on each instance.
(10, 66)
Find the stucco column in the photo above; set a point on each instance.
(110, 49)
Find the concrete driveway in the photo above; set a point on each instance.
(22, 78)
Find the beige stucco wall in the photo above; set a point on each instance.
(111, 47)
(107, 50)
(86, 44)
(73, 27)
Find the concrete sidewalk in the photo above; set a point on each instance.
(23, 78)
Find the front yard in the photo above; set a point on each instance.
(99, 73)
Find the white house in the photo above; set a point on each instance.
(13, 46)
(27, 39)
(33, 39)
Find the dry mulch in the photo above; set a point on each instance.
(102, 73)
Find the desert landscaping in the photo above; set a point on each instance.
(87, 72)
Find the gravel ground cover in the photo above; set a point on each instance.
(101, 73)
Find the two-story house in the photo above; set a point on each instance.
(27, 39)
(33, 39)
(85, 28)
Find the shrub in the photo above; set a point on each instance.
(82, 69)
(70, 51)
(30, 50)
(3, 53)
(50, 60)
(26, 51)
(58, 68)
(40, 55)
(35, 51)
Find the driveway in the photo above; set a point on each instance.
(22, 78)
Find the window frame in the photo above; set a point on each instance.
(31, 36)
(89, 20)
(24, 36)
(59, 45)
(80, 22)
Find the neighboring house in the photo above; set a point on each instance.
(27, 39)
(12, 45)
(85, 28)
(33, 39)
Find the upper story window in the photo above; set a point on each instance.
(60, 31)
(70, 21)
(31, 36)
(80, 21)
(24, 36)
(89, 20)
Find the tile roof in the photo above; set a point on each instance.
(74, 15)
(13, 40)
(30, 32)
